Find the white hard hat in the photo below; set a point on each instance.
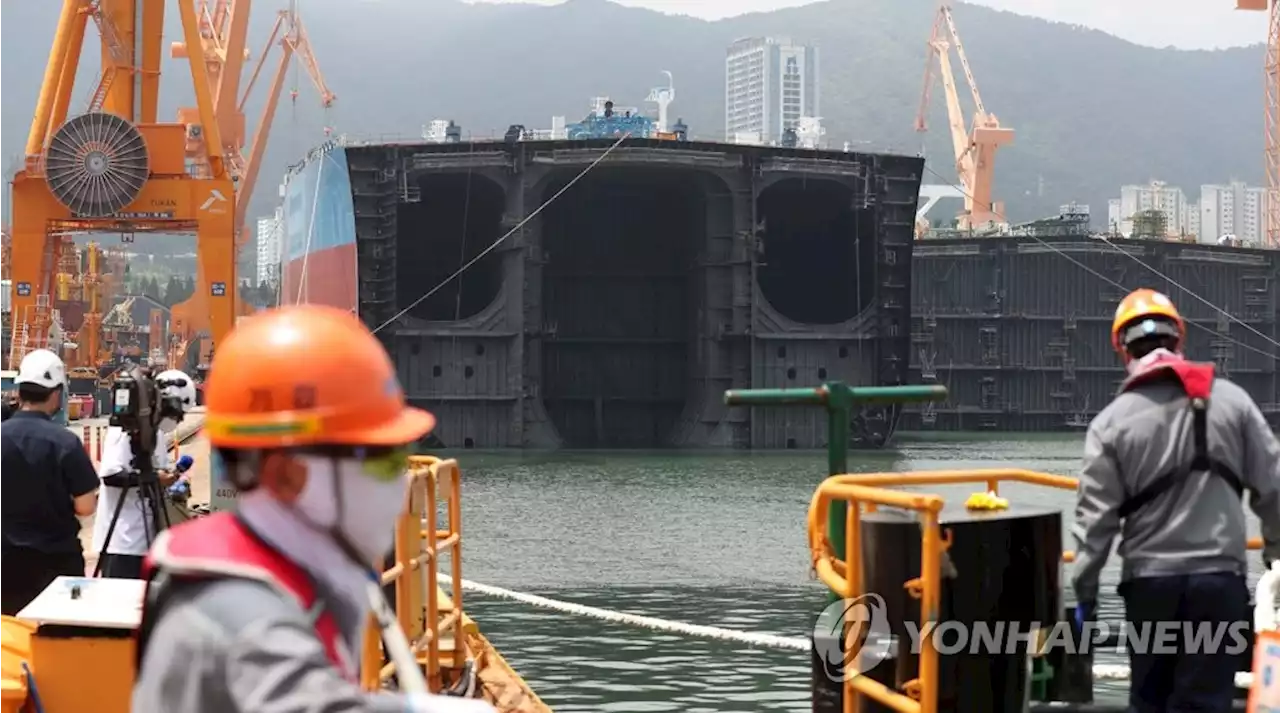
(42, 368)
(186, 391)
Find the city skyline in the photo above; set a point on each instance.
(1220, 211)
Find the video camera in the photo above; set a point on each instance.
(140, 403)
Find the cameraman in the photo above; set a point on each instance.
(135, 527)
(48, 481)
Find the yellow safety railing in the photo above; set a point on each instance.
(434, 628)
(864, 493)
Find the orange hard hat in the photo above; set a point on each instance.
(1143, 304)
(306, 375)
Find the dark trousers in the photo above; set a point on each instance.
(122, 566)
(26, 573)
(1171, 674)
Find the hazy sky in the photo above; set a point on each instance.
(1189, 24)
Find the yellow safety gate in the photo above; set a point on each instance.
(432, 620)
(866, 492)
(444, 640)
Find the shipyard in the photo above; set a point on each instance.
(839, 405)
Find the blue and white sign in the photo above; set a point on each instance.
(219, 289)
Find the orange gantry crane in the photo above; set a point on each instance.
(1271, 137)
(115, 167)
(975, 147)
(223, 27)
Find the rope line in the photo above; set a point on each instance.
(1113, 283)
(750, 638)
(760, 640)
(494, 245)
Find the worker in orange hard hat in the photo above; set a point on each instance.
(1166, 465)
(264, 609)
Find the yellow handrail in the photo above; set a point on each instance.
(419, 543)
(844, 577)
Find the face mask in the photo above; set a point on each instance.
(356, 499)
(167, 425)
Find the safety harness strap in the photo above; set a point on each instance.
(1176, 477)
(154, 598)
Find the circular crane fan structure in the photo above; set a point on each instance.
(96, 164)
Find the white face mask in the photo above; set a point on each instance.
(167, 425)
(339, 497)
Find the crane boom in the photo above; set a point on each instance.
(223, 46)
(1271, 110)
(975, 149)
(293, 43)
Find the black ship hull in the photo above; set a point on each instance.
(1020, 332)
(618, 315)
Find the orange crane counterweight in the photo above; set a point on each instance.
(975, 147)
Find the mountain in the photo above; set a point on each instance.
(1091, 111)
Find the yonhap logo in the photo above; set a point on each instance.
(862, 622)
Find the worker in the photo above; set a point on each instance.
(1166, 464)
(264, 609)
(136, 525)
(48, 481)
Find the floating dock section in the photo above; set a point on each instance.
(637, 283)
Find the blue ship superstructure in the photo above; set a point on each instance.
(608, 123)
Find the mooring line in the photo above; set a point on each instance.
(750, 638)
(1101, 672)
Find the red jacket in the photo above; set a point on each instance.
(220, 545)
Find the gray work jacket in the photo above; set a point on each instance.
(1197, 527)
(222, 645)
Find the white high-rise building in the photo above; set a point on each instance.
(769, 84)
(1156, 195)
(1232, 209)
(270, 234)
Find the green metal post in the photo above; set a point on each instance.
(838, 398)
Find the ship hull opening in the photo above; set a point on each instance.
(455, 217)
(619, 248)
(817, 264)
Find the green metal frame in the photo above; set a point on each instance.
(838, 398)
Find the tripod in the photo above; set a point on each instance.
(150, 499)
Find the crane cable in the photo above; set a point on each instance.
(1104, 278)
(494, 245)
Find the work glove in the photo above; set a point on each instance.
(1085, 612)
(1266, 599)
